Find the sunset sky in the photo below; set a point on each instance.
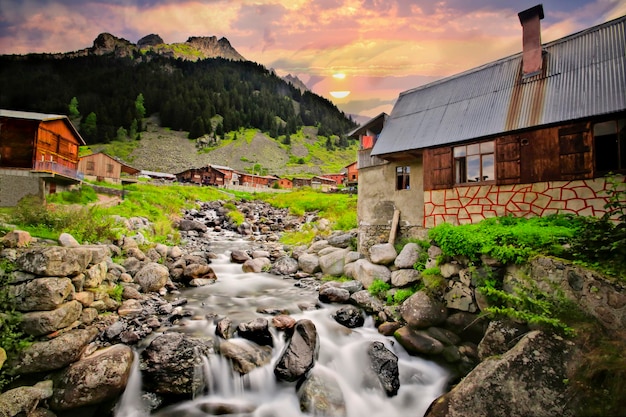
(370, 50)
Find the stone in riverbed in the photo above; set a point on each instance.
(300, 354)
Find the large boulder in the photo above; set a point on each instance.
(321, 395)
(300, 354)
(38, 323)
(405, 277)
(309, 263)
(256, 331)
(366, 272)
(349, 316)
(383, 253)
(408, 256)
(365, 300)
(170, 361)
(285, 265)
(54, 354)
(528, 380)
(95, 275)
(256, 265)
(97, 378)
(332, 263)
(245, 356)
(41, 294)
(501, 335)
(384, 364)
(152, 277)
(22, 400)
(420, 311)
(418, 342)
(53, 261)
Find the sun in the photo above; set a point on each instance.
(340, 94)
(339, 75)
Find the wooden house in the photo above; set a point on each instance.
(352, 174)
(193, 175)
(102, 167)
(284, 183)
(527, 135)
(339, 178)
(301, 182)
(323, 183)
(38, 155)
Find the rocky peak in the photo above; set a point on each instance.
(150, 40)
(106, 43)
(296, 82)
(211, 47)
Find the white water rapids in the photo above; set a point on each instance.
(342, 354)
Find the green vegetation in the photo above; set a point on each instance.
(12, 339)
(401, 294)
(378, 288)
(84, 195)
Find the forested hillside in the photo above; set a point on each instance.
(112, 95)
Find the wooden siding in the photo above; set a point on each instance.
(558, 153)
(100, 165)
(17, 143)
(56, 143)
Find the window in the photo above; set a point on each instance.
(90, 165)
(610, 145)
(474, 163)
(109, 168)
(402, 178)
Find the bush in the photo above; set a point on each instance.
(378, 288)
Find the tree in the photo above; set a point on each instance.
(197, 128)
(89, 127)
(287, 139)
(140, 110)
(73, 108)
(122, 134)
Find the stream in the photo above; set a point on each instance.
(342, 353)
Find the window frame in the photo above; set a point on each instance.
(403, 178)
(619, 136)
(481, 152)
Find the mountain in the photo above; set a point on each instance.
(200, 88)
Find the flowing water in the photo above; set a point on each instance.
(342, 354)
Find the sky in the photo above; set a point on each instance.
(360, 54)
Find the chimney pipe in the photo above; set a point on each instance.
(531, 40)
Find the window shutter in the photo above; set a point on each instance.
(508, 160)
(575, 159)
(438, 173)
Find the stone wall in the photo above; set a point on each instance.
(462, 205)
(16, 184)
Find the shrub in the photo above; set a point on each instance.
(378, 288)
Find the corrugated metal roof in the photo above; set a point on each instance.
(584, 75)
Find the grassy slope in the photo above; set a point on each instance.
(170, 151)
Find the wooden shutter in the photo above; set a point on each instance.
(508, 160)
(438, 172)
(575, 159)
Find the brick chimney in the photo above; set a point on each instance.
(531, 39)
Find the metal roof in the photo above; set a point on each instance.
(42, 117)
(584, 75)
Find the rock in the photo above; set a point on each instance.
(3, 356)
(300, 353)
(333, 262)
(321, 395)
(174, 252)
(187, 225)
(318, 246)
(420, 311)
(41, 294)
(333, 295)
(95, 275)
(99, 377)
(239, 256)
(341, 240)
(384, 364)
(528, 380)
(366, 272)
(408, 256)
(17, 239)
(418, 342)
(256, 265)
(170, 361)
(256, 331)
(349, 316)
(283, 322)
(405, 277)
(53, 261)
(38, 323)
(365, 300)
(244, 355)
(152, 277)
(471, 327)
(285, 265)
(459, 297)
(449, 269)
(383, 253)
(68, 241)
(501, 335)
(24, 399)
(54, 354)
(309, 263)
(352, 286)
(388, 328)
(199, 271)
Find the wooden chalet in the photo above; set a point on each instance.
(284, 183)
(102, 167)
(323, 183)
(193, 175)
(339, 178)
(38, 155)
(531, 134)
(352, 174)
